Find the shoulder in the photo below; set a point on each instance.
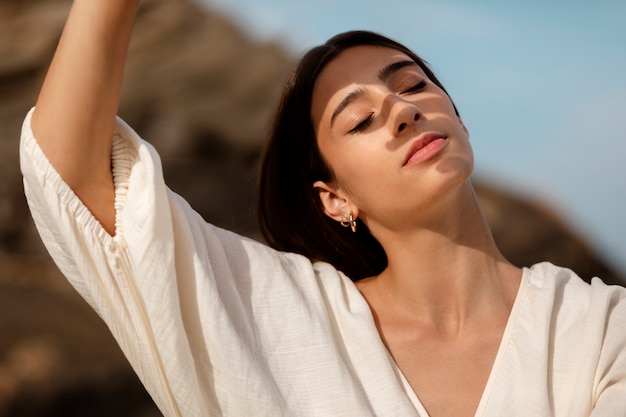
(572, 302)
(566, 283)
(568, 341)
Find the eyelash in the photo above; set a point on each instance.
(362, 125)
(416, 88)
(368, 120)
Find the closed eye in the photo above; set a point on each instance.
(416, 88)
(364, 124)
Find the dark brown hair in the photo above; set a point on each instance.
(290, 212)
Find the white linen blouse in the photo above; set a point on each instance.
(216, 324)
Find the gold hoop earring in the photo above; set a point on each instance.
(349, 221)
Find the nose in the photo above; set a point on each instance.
(403, 125)
(405, 117)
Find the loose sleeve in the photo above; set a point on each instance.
(101, 267)
(213, 323)
(610, 395)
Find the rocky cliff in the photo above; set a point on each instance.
(203, 94)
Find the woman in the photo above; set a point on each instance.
(367, 173)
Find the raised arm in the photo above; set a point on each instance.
(75, 113)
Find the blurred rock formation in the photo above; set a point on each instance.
(203, 94)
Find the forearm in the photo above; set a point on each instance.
(75, 112)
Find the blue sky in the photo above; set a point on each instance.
(540, 84)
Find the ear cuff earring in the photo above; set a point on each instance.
(349, 221)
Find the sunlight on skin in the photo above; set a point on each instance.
(518, 94)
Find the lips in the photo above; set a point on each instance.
(424, 147)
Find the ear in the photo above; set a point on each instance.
(336, 204)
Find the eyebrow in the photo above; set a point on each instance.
(383, 75)
(394, 67)
(360, 92)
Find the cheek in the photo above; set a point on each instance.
(359, 170)
(360, 161)
(370, 184)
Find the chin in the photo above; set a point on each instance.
(460, 167)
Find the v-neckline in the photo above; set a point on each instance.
(497, 364)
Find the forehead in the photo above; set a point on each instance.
(353, 68)
(359, 61)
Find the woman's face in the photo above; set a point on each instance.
(390, 135)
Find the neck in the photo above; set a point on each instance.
(447, 269)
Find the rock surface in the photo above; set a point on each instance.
(203, 94)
